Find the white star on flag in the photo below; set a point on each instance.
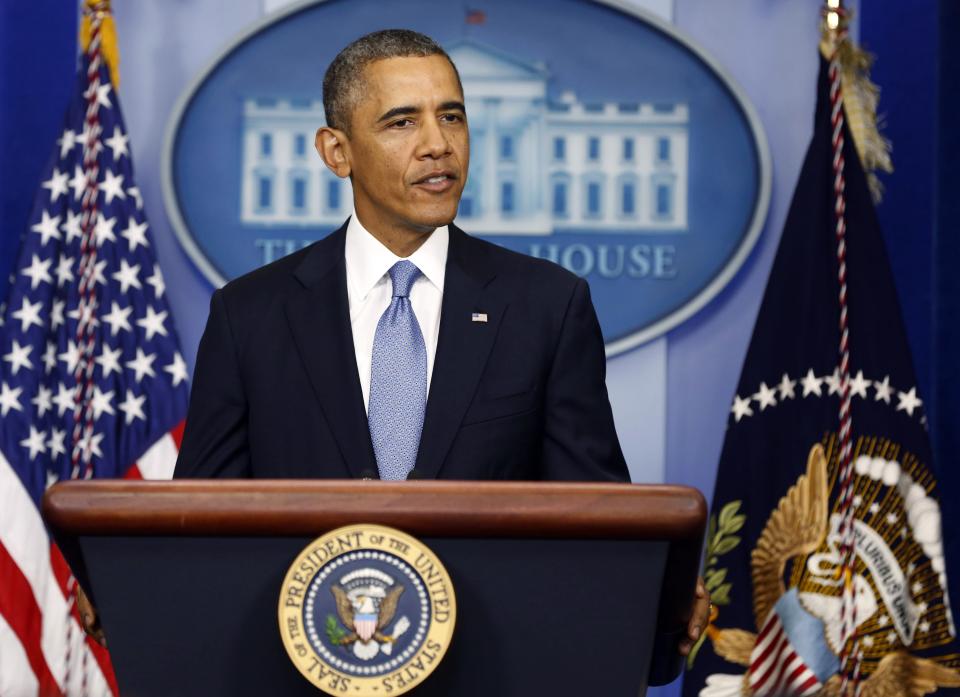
(152, 323)
(741, 408)
(117, 143)
(156, 280)
(103, 230)
(765, 397)
(43, 400)
(127, 276)
(47, 227)
(177, 369)
(9, 398)
(908, 401)
(36, 442)
(884, 390)
(118, 318)
(142, 364)
(19, 357)
(28, 314)
(786, 387)
(64, 271)
(135, 234)
(38, 272)
(64, 399)
(57, 184)
(109, 361)
(112, 186)
(132, 407)
(67, 142)
(811, 384)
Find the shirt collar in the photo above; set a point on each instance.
(368, 260)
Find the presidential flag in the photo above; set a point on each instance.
(92, 381)
(824, 554)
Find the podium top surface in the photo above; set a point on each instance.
(435, 508)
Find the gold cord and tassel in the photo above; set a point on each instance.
(860, 95)
(109, 49)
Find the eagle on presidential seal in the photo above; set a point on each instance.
(366, 612)
(796, 648)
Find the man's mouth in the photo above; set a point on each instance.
(437, 182)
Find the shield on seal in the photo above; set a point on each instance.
(365, 624)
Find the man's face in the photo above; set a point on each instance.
(408, 146)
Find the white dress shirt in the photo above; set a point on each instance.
(369, 292)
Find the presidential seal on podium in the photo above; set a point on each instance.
(366, 610)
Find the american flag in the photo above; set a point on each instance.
(92, 380)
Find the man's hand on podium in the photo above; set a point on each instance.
(698, 621)
(89, 617)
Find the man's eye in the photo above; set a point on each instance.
(401, 123)
(451, 118)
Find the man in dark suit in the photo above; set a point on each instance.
(320, 365)
(288, 378)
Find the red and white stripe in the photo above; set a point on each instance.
(42, 644)
(775, 667)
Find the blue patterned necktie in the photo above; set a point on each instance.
(398, 380)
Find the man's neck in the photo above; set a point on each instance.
(401, 241)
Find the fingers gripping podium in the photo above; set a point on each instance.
(561, 588)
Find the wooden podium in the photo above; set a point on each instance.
(562, 589)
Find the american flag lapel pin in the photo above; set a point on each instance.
(479, 317)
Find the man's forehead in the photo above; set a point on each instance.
(413, 79)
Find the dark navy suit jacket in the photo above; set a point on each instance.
(519, 396)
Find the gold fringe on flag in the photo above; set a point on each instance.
(108, 35)
(860, 97)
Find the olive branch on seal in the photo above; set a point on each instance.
(334, 632)
(720, 540)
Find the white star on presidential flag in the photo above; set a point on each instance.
(71, 226)
(38, 272)
(101, 402)
(811, 384)
(786, 387)
(109, 361)
(118, 318)
(90, 445)
(142, 364)
(834, 381)
(117, 143)
(884, 390)
(43, 400)
(765, 397)
(103, 230)
(156, 280)
(177, 369)
(57, 184)
(741, 408)
(908, 401)
(9, 398)
(36, 443)
(67, 142)
(47, 227)
(112, 186)
(153, 322)
(127, 276)
(64, 272)
(28, 314)
(56, 443)
(71, 356)
(135, 234)
(132, 407)
(64, 399)
(56, 313)
(78, 182)
(858, 386)
(19, 357)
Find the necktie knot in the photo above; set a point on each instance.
(402, 275)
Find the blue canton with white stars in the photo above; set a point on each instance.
(140, 377)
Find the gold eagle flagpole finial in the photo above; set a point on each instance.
(860, 94)
(97, 15)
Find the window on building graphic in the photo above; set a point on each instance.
(628, 149)
(264, 192)
(266, 144)
(628, 198)
(300, 145)
(298, 194)
(593, 148)
(663, 149)
(560, 198)
(507, 148)
(466, 206)
(559, 149)
(594, 198)
(664, 200)
(333, 194)
(507, 194)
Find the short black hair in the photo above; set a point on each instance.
(343, 83)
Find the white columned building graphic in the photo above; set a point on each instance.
(537, 166)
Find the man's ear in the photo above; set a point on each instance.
(334, 147)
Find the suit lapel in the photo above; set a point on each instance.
(319, 319)
(462, 347)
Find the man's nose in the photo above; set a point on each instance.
(433, 140)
